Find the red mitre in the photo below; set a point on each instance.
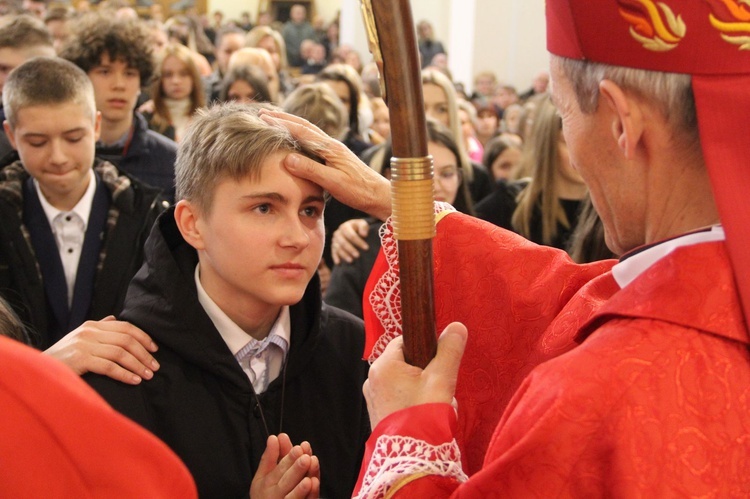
(708, 39)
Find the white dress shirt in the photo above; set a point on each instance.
(262, 360)
(69, 229)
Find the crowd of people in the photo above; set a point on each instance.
(194, 220)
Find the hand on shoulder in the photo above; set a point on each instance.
(108, 347)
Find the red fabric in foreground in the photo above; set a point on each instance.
(60, 439)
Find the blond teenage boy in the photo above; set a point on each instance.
(230, 294)
(72, 227)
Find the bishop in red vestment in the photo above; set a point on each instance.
(577, 380)
(629, 379)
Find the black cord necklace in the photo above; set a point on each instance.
(281, 408)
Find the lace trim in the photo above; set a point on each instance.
(385, 298)
(396, 456)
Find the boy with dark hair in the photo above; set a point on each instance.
(230, 293)
(117, 56)
(72, 227)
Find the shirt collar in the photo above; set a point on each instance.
(230, 332)
(627, 270)
(82, 208)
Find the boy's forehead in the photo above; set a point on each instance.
(272, 166)
(65, 116)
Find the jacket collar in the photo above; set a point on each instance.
(166, 283)
(634, 263)
(117, 183)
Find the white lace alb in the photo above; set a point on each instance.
(395, 457)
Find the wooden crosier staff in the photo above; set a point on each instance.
(390, 30)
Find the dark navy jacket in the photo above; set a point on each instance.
(149, 157)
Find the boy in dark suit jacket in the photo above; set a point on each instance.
(72, 227)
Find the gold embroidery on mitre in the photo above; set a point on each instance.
(732, 19)
(653, 24)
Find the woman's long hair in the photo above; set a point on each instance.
(10, 325)
(440, 134)
(258, 33)
(161, 119)
(435, 77)
(346, 74)
(253, 76)
(541, 159)
(587, 242)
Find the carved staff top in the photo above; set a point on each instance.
(390, 30)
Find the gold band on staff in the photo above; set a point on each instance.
(412, 193)
(411, 169)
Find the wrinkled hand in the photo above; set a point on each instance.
(295, 475)
(343, 175)
(109, 347)
(348, 239)
(393, 384)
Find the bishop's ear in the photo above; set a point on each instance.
(189, 222)
(626, 118)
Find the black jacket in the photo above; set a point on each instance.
(348, 280)
(481, 185)
(133, 210)
(498, 209)
(202, 404)
(149, 157)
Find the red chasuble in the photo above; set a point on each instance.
(571, 386)
(60, 439)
